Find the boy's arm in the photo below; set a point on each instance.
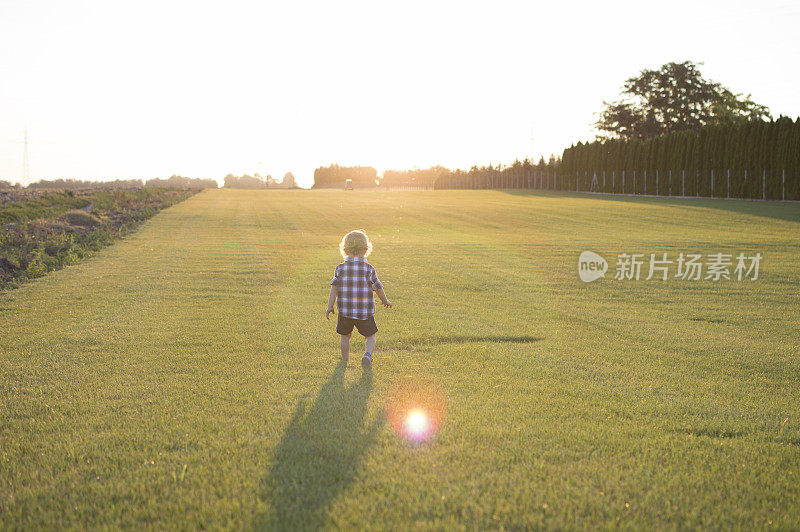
(331, 300)
(377, 287)
(382, 295)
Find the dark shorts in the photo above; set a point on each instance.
(366, 327)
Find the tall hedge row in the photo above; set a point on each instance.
(755, 159)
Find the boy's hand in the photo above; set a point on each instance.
(383, 298)
(328, 313)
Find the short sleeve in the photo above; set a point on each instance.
(373, 279)
(337, 277)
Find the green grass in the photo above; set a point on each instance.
(186, 377)
(47, 205)
(32, 248)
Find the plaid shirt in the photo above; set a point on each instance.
(356, 279)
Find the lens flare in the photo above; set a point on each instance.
(417, 423)
(415, 410)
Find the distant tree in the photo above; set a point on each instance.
(731, 107)
(177, 181)
(519, 174)
(245, 181)
(289, 180)
(75, 184)
(674, 98)
(335, 176)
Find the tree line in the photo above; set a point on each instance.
(257, 182)
(335, 176)
(520, 174)
(181, 182)
(673, 132)
(417, 177)
(744, 159)
(174, 181)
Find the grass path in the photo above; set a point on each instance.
(186, 377)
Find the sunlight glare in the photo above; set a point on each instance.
(415, 409)
(417, 424)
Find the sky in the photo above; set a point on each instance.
(110, 89)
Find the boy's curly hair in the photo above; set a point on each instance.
(355, 244)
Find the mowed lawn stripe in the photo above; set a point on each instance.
(152, 351)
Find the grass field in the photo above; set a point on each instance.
(186, 377)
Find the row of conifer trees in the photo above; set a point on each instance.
(755, 159)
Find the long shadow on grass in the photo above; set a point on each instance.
(473, 338)
(319, 455)
(789, 212)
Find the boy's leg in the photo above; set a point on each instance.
(344, 342)
(369, 344)
(368, 329)
(369, 347)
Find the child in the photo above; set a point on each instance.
(353, 283)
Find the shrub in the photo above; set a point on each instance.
(37, 268)
(81, 219)
(7, 267)
(23, 208)
(45, 234)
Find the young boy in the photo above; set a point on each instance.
(353, 283)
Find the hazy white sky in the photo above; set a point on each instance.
(112, 89)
